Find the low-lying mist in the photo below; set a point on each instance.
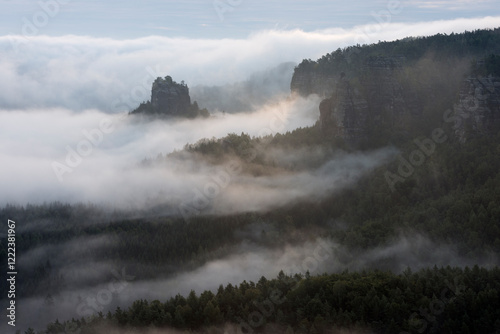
(92, 285)
(260, 88)
(57, 155)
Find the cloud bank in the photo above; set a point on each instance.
(56, 155)
(79, 72)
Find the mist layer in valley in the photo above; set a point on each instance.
(79, 283)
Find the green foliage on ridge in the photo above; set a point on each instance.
(444, 300)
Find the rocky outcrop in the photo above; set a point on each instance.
(395, 91)
(307, 83)
(478, 108)
(169, 97)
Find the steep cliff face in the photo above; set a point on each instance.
(310, 82)
(169, 97)
(387, 91)
(378, 98)
(321, 77)
(477, 111)
(399, 90)
(344, 114)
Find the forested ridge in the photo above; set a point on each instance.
(437, 300)
(471, 45)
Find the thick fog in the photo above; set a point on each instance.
(56, 155)
(260, 88)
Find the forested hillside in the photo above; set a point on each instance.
(470, 46)
(446, 300)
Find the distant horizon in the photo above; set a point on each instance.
(84, 72)
(219, 19)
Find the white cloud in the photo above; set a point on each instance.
(41, 148)
(449, 4)
(79, 72)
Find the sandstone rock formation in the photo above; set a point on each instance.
(169, 97)
(344, 114)
(307, 83)
(378, 98)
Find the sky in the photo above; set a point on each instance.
(216, 19)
